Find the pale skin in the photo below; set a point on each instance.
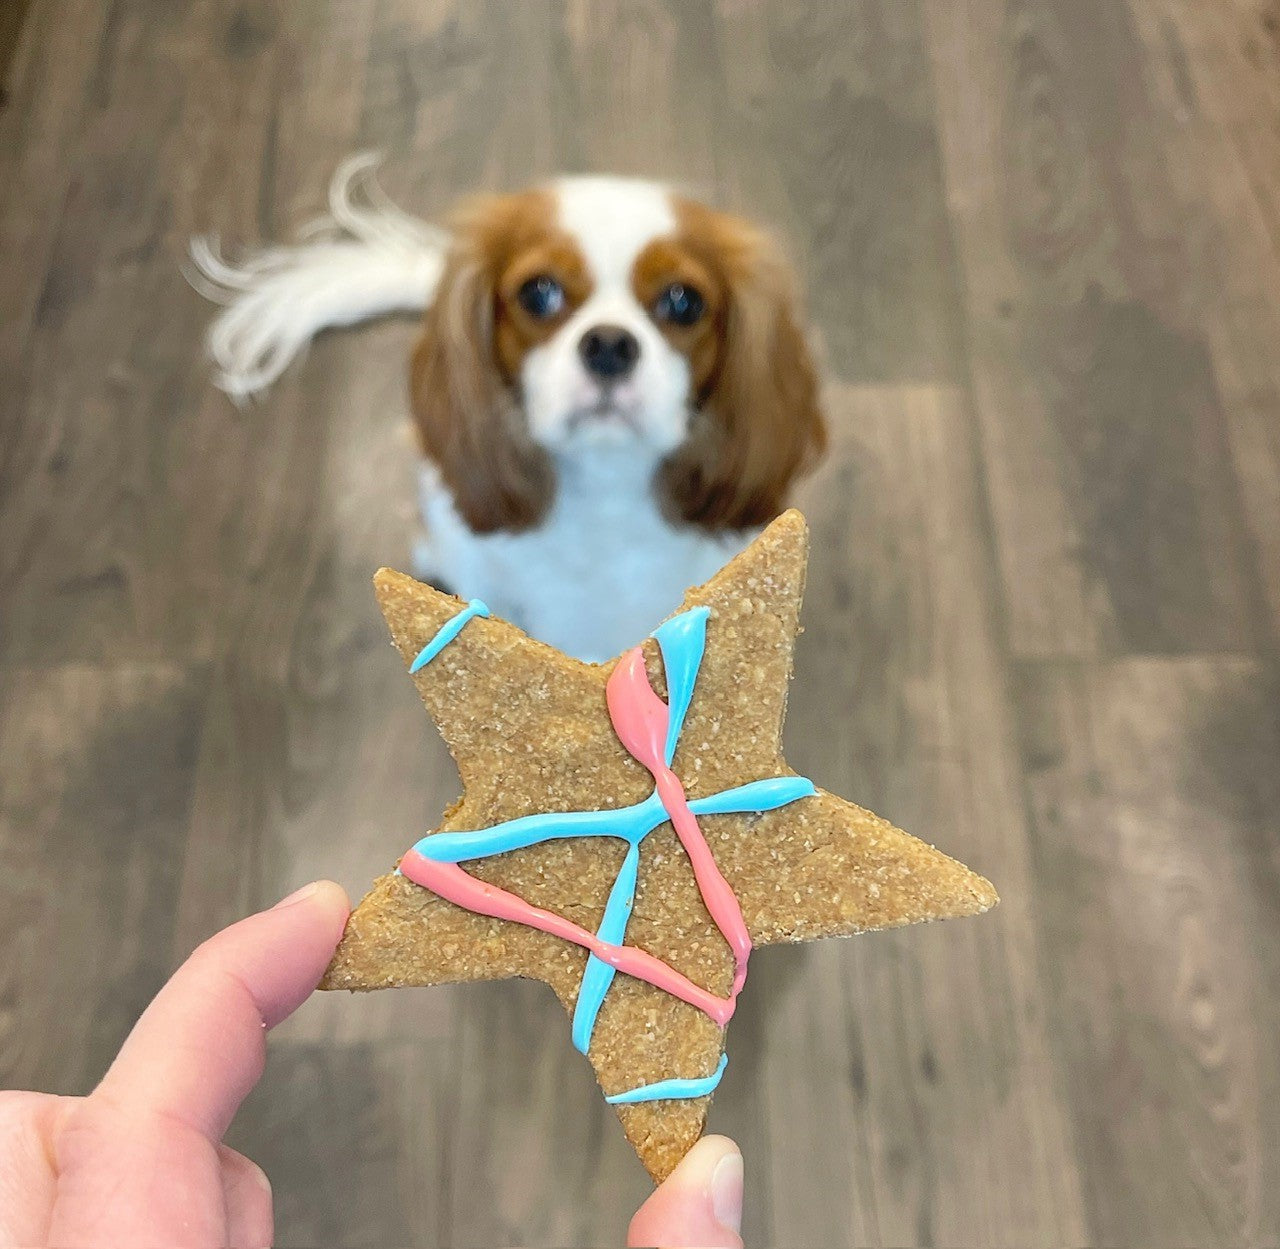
(140, 1161)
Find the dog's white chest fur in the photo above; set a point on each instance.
(597, 574)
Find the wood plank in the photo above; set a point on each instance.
(1216, 82)
(12, 20)
(536, 1154)
(432, 104)
(1155, 800)
(331, 1126)
(38, 127)
(925, 1052)
(137, 491)
(1227, 61)
(90, 494)
(649, 77)
(96, 772)
(1116, 510)
(828, 125)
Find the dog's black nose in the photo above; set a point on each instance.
(609, 351)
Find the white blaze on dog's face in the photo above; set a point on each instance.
(606, 311)
(607, 373)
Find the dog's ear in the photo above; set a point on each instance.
(468, 417)
(758, 424)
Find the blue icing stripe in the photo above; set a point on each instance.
(665, 1089)
(613, 928)
(532, 830)
(682, 641)
(448, 631)
(766, 795)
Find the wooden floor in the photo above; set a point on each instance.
(1041, 240)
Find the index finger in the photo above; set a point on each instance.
(200, 1046)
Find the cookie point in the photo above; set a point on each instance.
(788, 530)
(792, 518)
(391, 586)
(984, 894)
(387, 580)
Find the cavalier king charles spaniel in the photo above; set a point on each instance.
(611, 389)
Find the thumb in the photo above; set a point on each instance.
(698, 1204)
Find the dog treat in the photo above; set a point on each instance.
(635, 818)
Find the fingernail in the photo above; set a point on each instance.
(297, 896)
(726, 1191)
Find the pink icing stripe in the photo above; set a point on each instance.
(640, 719)
(456, 886)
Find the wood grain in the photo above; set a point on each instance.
(1154, 799)
(1042, 251)
(1117, 512)
(333, 1111)
(12, 19)
(1216, 85)
(830, 116)
(901, 650)
(98, 771)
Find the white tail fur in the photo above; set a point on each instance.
(364, 259)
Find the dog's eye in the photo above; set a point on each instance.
(541, 297)
(679, 304)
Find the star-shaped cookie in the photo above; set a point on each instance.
(628, 843)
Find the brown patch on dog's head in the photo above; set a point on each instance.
(757, 424)
(465, 370)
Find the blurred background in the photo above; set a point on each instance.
(1039, 239)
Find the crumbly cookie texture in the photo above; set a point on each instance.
(530, 731)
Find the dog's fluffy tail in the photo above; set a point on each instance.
(364, 259)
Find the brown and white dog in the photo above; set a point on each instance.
(612, 387)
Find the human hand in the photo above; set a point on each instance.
(140, 1161)
(699, 1203)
